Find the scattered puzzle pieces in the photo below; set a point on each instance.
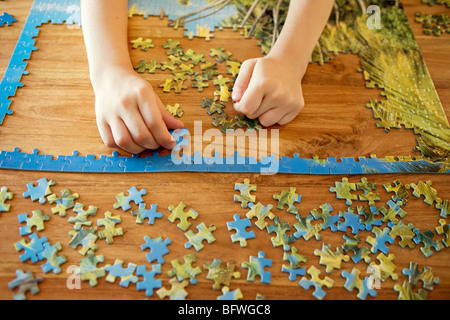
(50, 253)
(158, 248)
(230, 295)
(239, 225)
(281, 238)
(256, 267)
(294, 259)
(142, 213)
(343, 191)
(186, 270)
(426, 238)
(84, 237)
(405, 292)
(126, 275)
(307, 230)
(36, 220)
(379, 242)
(425, 189)
(25, 282)
(63, 203)
(88, 269)
(221, 275)
(316, 282)
(7, 19)
(179, 213)
(144, 45)
(353, 281)
(4, 196)
(40, 191)
(196, 239)
(261, 212)
(82, 216)
(148, 283)
(245, 197)
(176, 292)
(386, 268)
(426, 276)
(288, 198)
(332, 260)
(32, 248)
(110, 231)
(134, 195)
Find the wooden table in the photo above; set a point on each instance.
(54, 113)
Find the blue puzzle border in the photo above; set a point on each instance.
(68, 11)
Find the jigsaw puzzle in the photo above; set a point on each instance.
(429, 122)
(182, 63)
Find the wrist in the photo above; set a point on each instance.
(297, 62)
(104, 73)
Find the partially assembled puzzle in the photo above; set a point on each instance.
(387, 225)
(409, 99)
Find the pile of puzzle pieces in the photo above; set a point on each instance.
(189, 65)
(385, 223)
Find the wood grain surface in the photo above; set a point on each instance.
(54, 112)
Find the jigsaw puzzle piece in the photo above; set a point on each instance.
(196, 239)
(256, 267)
(239, 225)
(40, 191)
(158, 248)
(316, 282)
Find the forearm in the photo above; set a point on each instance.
(304, 24)
(105, 25)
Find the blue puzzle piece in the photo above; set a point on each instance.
(352, 281)
(134, 195)
(53, 260)
(239, 225)
(158, 248)
(117, 270)
(40, 191)
(142, 213)
(149, 283)
(7, 19)
(31, 249)
(379, 242)
(351, 220)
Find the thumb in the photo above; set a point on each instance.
(243, 79)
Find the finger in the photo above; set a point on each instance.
(270, 117)
(139, 131)
(106, 135)
(123, 138)
(266, 105)
(251, 100)
(287, 118)
(243, 79)
(151, 110)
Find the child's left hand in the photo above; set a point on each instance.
(269, 89)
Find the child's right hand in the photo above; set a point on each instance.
(130, 115)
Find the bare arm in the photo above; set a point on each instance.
(129, 114)
(269, 88)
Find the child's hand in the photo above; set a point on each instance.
(268, 89)
(130, 115)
